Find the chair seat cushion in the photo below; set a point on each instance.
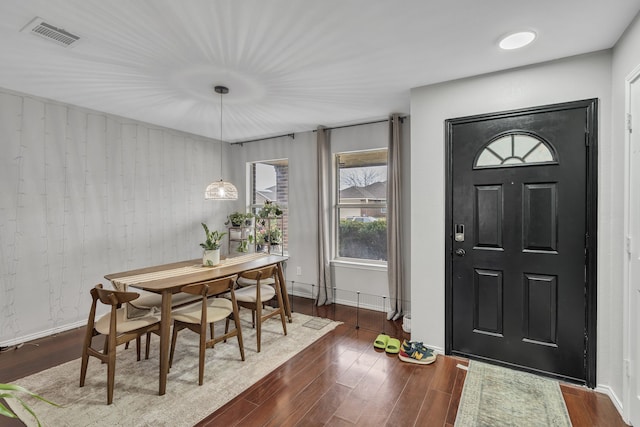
(150, 303)
(123, 324)
(248, 293)
(217, 309)
(150, 299)
(243, 281)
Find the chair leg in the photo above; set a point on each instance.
(211, 328)
(258, 314)
(85, 357)
(111, 373)
(203, 346)
(147, 346)
(236, 320)
(105, 350)
(176, 328)
(83, 366)
(281, 309)
(138, 345)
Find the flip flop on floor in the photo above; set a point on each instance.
(381, 341)
(393, 346)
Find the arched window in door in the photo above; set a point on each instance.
(515, 149)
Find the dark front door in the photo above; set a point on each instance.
(519, 274)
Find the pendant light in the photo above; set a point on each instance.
(221, 190)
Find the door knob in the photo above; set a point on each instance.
(460, 252)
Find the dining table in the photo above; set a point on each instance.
(168, 279)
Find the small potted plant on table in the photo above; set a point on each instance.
(211, 246)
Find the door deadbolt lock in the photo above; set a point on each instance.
(459, 233)
(460, 252)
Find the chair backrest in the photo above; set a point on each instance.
(211, 287)
(259, 273)
(109, 297)
(112, 297)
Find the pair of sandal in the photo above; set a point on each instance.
(388, 344)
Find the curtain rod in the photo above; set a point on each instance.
(293, 135)
(361, 124)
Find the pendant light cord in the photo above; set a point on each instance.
(221, 135)
(221, 90)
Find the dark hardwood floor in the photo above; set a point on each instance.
(340, 380)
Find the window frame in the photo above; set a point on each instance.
(512, 134)
(337, 206)
(255, 207)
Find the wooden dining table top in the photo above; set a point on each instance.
(175, 275)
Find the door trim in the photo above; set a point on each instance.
(628, 340)
(591, 231)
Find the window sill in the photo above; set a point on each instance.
(359, 265)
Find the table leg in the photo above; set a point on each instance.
(165, 325)
(285, 295)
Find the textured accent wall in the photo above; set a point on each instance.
(84, 194)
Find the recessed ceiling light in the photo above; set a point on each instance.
(517, 40)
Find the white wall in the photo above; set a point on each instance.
(570, 79)
(85, 194)
(626, 58)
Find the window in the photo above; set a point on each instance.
(515, 149)
(361, 208)
(269, 181)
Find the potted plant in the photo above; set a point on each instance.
(274, 236)
(211, 246)
(270, 210)
(271, 237)
(239, 219)
(260, 241)
(243, 246)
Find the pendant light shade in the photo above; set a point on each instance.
(221, 190)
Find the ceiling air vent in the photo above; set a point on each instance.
(38, 27)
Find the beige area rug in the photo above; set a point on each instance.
(496, 396)
(136, 401)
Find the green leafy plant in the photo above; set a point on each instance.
(213, 239)
(270, 210)
(237, 219)
(273, 236)
(8, 391)
(243, 246)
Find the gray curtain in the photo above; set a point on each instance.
(325, 293)
(394, 220)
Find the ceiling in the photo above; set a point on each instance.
(290, 65)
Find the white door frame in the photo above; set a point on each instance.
(630, 244)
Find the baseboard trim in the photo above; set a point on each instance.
(43, 334)
(605, 389)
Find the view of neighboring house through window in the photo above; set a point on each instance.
(361, 206)
(269, 181)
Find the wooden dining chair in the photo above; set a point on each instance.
(117, 330)
(255, 296)
(202, 316)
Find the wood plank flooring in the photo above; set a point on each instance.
(341, 380)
